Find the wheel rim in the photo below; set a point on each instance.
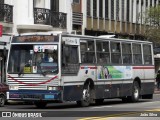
(86, 95)
(136, 92)
(1, 101)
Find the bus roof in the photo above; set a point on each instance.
(86, 37)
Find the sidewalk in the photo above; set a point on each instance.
(156, 91)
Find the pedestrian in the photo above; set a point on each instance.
(158, 79)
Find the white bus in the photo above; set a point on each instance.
(47, 68)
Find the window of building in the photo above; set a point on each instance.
(117, 9)
(106, 9)
(100, 8)
(87, 52)
(88, 8)
(137, 54)
(76, 1)
(116, 53)
(155, 2)
(94, 8)
(147, 54)
(112, 9)
(55, 5)
(128, 10)
(103, 55)
(150, 3)
(146, 3)
(122, 10)
(126, 53)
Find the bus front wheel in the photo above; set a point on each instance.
(40, 104)
(2, 100)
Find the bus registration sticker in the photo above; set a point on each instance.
(27, 70)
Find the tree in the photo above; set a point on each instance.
(152, 23)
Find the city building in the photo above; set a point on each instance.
(125, 18)
(19, 16)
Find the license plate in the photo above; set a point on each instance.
(49, 96)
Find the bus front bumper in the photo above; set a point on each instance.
(27, 95)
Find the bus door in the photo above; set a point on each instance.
(70, 67)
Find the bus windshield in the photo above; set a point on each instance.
(38, 59)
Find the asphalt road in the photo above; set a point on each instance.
(110, 109)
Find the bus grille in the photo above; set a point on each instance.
(32, 83)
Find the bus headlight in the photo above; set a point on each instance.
(13, 87)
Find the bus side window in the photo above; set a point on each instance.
(70, 59)
(126, 53)
(137, 54)
(116, 53)
(87, 52)
(103, 55)
(147, 54)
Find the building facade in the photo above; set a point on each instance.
(120, 17)
(19, 16)
(90, 17)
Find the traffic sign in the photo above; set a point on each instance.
(1, 30)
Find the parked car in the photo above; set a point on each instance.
(3, 89)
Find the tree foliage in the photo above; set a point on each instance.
(152, 23)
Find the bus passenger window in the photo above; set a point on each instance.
(137, 54)
(126, 53)
(87, 55)
(116, 53)
(70, 60)
(103, 55)
(147, 54)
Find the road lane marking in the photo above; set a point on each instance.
(108, 116)
(101, 107)
(91, 118)
(118, 115)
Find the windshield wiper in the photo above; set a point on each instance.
(39, 66)
(20, 72)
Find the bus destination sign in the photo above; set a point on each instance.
(35, 38)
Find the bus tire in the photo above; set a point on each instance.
(135, 92)
(2, 100)
(86, 98)
(40, 104)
